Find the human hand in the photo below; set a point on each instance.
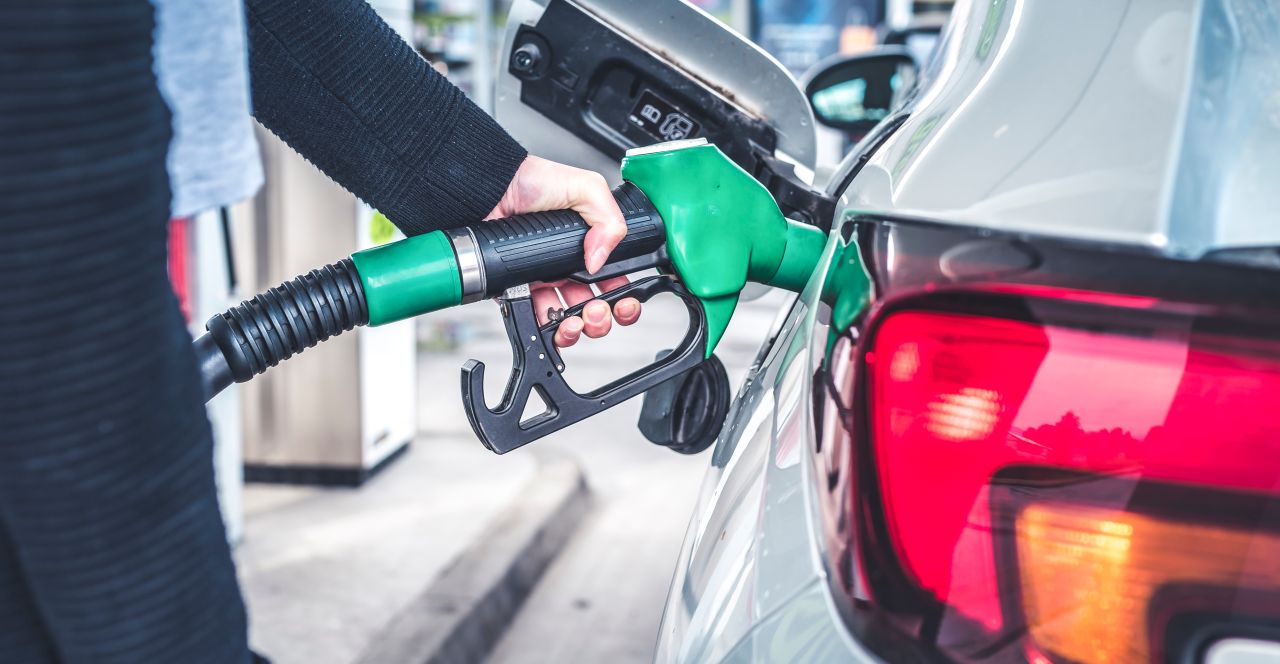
(541, 185)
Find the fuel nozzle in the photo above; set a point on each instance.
(411, 277)
(723, 227)
(706, 224)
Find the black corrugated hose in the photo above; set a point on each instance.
(280, 323)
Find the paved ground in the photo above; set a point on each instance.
(601, 600)
(325, 569)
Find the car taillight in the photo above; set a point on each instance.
(1090, 577)
(967, 414)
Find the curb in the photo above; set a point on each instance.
(464, 612)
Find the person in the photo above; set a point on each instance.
(112, 547)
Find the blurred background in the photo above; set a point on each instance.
(349, 477)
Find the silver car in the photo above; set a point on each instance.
(1035, 423)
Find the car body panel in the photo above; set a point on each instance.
(750, 583)
(1104, 121)
(1227, 168)
(805, 629)
(1142, 122)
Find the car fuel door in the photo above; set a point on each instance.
(583, 81)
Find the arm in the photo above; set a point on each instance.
(338, 85)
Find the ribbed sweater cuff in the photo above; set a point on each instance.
(342, 88)
(466, 177)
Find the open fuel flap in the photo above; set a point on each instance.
(583, 81)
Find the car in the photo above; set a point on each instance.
(1034, 423)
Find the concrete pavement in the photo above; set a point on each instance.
(324, 571)
(468, 607)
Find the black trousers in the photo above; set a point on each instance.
(112, 548)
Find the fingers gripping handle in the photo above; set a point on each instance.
(545, 245)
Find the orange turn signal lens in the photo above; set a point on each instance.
(1088, 575)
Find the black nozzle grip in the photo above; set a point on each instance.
(541, 246)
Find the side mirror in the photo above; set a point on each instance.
(854, 93)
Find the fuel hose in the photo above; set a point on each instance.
(408, 278)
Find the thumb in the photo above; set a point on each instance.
(595, 203)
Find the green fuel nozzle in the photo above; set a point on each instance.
(723, 227)
(706, 224)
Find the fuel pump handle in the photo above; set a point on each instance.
(689, 210)
(407, 278)
(541, 246)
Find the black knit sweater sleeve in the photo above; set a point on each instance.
(337, 84)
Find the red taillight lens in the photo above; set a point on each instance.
(956, 399)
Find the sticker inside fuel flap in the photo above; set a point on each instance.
(662, 120)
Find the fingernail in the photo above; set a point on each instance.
(571, 327)
(597, 312)
(598, 257)
(627, 308)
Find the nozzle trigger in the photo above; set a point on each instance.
(537, 368)
(657, 258)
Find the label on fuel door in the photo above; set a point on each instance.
(661, 120)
